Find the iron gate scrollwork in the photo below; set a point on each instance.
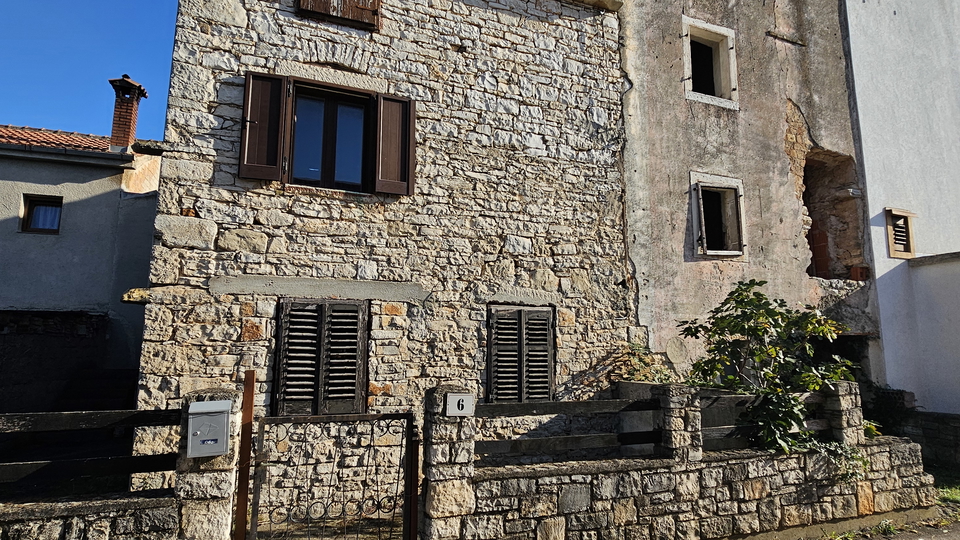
(336, 477)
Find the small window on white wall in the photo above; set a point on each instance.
(709, 63)
(719, 214)
(900, 233)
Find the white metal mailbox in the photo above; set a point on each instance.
(208, 424)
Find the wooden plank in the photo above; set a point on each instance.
(12, 472)
(552, 445)
(494, 410)
(68, 421)
(246, 450)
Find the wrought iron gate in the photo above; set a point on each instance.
(336, 477)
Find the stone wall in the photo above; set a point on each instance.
(691, 494)
(120, 519)
(518, 196)
(938, 434)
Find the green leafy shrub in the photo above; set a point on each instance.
(760, 346)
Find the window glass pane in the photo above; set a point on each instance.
(45, 216)
(349, 144)
(308, 139)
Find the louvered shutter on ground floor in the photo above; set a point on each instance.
(321, 358)
(520, 359)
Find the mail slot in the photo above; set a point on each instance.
(208, 426)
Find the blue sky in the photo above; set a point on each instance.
(56, 57)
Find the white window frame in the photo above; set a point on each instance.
(723, 42)
(700, 181)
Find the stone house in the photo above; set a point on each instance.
(384, 201)
(77, 216)
(740, 164)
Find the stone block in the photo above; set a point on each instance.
(450, 498)
(865, 499)
(207, 485)
(206, 519)
(483, 527)
(716, 527)
(552, 529)
(242, 240)
(186, 232)
(574, 498)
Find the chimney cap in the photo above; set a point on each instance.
(127, 87)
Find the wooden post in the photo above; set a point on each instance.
(246, 442)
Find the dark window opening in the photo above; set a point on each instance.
(702, 63)
(832, 199)
(320, 364)
(520, 354)
(312, 134)
(720, 232)
(41, 214)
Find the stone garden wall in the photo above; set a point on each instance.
(680, 492)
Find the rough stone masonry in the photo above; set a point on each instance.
(518, 196)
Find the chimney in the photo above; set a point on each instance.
(125, 108)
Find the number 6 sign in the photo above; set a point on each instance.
(460, 404)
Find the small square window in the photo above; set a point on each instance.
(520, 354)
(41, 214)
(710, 63)
(900, 233)
(719, 214)
(321, 357)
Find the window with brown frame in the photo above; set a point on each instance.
(320, 365)
(41, 214)
(520, 354)
(357, 13)
(900, 233)
(313, 134)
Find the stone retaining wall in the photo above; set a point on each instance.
(938, 434)
(134, 518)
(691, 494)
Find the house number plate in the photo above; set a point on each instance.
(460, 404)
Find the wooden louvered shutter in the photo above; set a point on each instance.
(504, 356)
(321, 358)
(343, 360)
(537, 355)
(396, 145)
(261, 133)
(298, 359)
(360, 13)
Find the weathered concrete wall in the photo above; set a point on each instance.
(518, 197)
(792, 100)
(908, 135)
(102, 248)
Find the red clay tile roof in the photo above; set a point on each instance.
(53, 139)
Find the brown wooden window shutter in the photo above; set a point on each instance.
(520, 357)
(358, 13)
(396, 145)
(321, 358)
(261, 136)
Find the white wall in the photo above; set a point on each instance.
(907, 82)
